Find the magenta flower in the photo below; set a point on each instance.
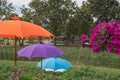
(109, 29)
(109, 47)
(83, 37)
(97, 50)
(117, 52)
(117, 31)
(112, 39)
(102, 40)
(117, 46)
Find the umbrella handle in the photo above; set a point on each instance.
(41, 70)
(15, 61)
(53, 75)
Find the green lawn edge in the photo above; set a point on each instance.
(95, 68)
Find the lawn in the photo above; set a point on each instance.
(78, 72)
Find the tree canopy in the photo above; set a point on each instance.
(61, 17)
(106, 10)
(6, 10)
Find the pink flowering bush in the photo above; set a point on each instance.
(106, 36)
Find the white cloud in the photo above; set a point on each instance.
(19, 2)
(118, 1)
(79, 2)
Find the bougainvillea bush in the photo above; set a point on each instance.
(106, 36)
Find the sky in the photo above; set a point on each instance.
(18, 3)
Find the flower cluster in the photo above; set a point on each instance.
(83, 37)
(106, 36)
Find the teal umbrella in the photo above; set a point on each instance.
(54, 64)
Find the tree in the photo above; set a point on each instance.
(36, 12)
(80, 22)
(26, 14)
(104, 9)
(6, 10)
(52, 14)
(60, 14)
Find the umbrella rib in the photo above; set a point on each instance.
(33, 49)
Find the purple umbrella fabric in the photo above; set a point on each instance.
(40, 50)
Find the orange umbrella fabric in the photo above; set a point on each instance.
(15, 18)
(21, 29)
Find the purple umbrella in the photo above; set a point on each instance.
(40, 50)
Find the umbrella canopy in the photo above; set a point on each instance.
(54, 64)
(21, 29)
(40, 50)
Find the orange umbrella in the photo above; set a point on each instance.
(21, 29)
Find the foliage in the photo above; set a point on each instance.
(104, 9)
(86, 20)
(105, 36)
(79, 22)
(6, 10)
(60, 11)
(50, 14)
(60, 17)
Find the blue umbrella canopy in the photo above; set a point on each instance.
(54, 64)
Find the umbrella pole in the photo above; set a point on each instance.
(41, 70)
(53, 75)
(15, 62)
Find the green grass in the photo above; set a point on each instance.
(32, 65)
(99, 69)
